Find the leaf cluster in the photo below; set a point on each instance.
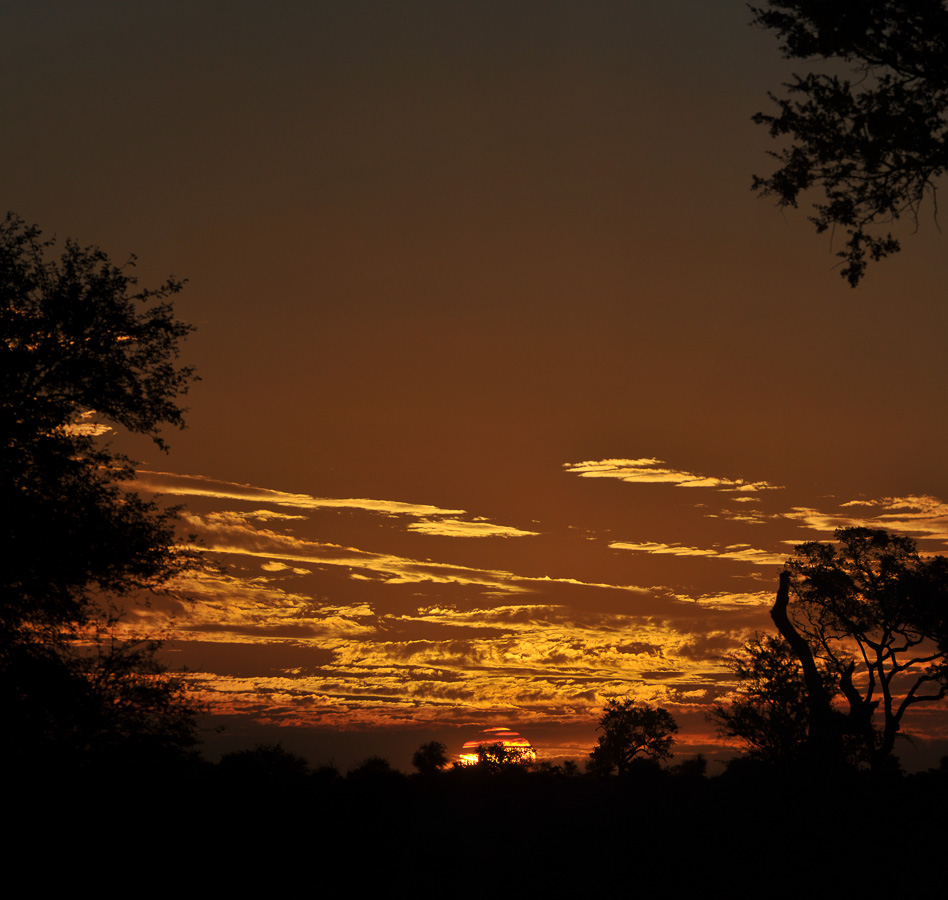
(873, 587)
(497, 757)
(770, 713)
(430, 758)
(84, 351)
(864, 639)
(874, 144)
(872, 601)
(630, 731)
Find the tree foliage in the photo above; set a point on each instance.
(268, 764)
(497, 757)
(873, 141)
(630, 731)
(770, 714)
(374, 769)
(430, 758)
(874, 614)
(85, 352)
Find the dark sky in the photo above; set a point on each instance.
(514, 395)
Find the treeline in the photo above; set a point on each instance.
(535, 827)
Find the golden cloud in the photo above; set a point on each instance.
(656, 471)
(920, 515)
(200, 486)
(434, 519)
(737, 552)
(461, 528)
(232, 534)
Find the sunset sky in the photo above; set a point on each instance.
(514, 396)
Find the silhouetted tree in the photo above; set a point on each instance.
(694, 767)
(265, 763)
(374, 768)
(630, 731)
(770, 715)
(497, 757)
(83, 353)
(874, 145)
(875, 615)
(430, 758)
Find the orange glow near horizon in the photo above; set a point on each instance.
(517, 748)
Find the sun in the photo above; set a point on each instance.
(512, 747)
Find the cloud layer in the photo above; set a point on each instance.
(302, 628)
(657, 471)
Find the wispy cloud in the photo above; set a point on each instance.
(200, 486)
(738, 552)
(922, 516)
(733, 600)
(544, 661)
(230, 533)
(461, 528)
(657, 471)
(434, 519)
(86, 427)
(748, 517)
(328, 641)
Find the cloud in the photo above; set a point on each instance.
(434, 519)
(750, 517)
(920, 515)
(282, 567)
(709, 647)
(230, 608)
(461, 528)
(540, 675)
(232, 534)
(263, 515)
(487, 639)
(737, 552)
(200, 486)
(341, 666)
(85, 427)
(656, 471)
(733, 600)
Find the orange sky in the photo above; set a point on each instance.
(513, 394)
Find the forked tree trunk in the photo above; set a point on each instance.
(822, 739)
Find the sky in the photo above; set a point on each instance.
(514, 396)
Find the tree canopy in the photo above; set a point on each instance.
(873, 613)
(430, 758)
(630, 731)
(872, 140)
(497, 757)
(85, 353)
(770, 714)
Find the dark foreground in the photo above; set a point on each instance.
(468, 833)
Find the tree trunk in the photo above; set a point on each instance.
(822, 738)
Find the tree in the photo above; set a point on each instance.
(498, 757)
(430, 758)
(630, 731)
(265, 764)
(374, 769)
(84, 353)
(874, 146)
(875, 614)
(770, 716)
